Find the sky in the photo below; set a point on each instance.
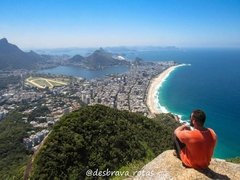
(94, 23)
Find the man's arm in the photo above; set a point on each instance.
(181, 128)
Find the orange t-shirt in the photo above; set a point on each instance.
(199, 147)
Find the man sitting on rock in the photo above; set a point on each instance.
(195, 144)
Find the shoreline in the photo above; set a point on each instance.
(155, 84)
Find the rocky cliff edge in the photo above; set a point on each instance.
(167, 166)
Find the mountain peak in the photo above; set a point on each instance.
(100, 50)
(11, 57)
(3, 41)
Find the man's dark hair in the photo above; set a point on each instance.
(199, 116)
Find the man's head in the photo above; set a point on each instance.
(198, 117)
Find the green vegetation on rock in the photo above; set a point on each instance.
(99, 137)
(13, 157)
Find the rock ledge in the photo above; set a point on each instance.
(167, 166)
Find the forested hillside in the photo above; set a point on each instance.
(99, 137)
(13, 156)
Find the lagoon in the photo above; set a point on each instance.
(84, 73)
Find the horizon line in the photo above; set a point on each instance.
(128, 46)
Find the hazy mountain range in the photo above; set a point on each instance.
(12, 57)
(98, 59)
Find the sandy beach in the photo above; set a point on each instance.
(154, 85)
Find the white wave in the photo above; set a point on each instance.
(164, 109)
(160, 107)
(185, 64)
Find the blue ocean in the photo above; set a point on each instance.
(211, 83)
